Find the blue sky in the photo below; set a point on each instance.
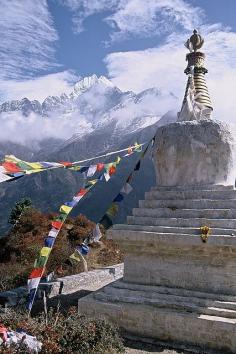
(84, 52)
(47, 45)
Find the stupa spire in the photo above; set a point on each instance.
(196, 88)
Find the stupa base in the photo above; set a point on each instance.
(175, 316)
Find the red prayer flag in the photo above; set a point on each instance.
(37, 273)
(57, 224)
(130, 150)
(129, 178)
(11, 167)
(100, 166)
(66, 163)
(112, 170)
(82, 191)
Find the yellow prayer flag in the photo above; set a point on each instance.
(35, 165)
(11, 158)
(75, 256)
(65, 209)
(45, 251)
(118, 160)
(92, 182)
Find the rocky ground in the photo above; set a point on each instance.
(136, 347)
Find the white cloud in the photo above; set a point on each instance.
(38, 88)
(137, 17)
(28, 130)
(151, 17)
(163, 67)
(28, 37)
(82, 9)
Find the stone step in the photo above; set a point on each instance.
(193, 194)
(182, 222)
(188, 204)
(186, 213)
(172, 230)
(228, 307)
(208, 187)
(174, 291)
(168, 303)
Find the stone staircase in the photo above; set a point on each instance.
(183, 210)
(175, 287)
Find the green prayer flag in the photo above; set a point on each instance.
(40, 262)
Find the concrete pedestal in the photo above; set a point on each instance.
(175, 287)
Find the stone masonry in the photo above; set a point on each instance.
(175, 287)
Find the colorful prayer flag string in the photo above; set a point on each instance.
(12, 168)
(56, 225)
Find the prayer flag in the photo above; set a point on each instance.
(118, 198)
(53, 233)
(66, 163)
(35, 165)
(100, 167)
(96, 235)
(107, 176)
(127, 188)
(11, 167)
(106, 221)
(84, 169)
(137, 167)
(81, 193)
(71, 204)
(49, 242)
(112, 170)
(91, 171)
(83, 249)
(61, 217)
(4, 177)
(50, 164)
(113, 210)
(75, 256)
(56, 224)
(137, 147)
(129, 178)
(45, 251)
(31, 297)
(37, 272)
(33, 283)
(118, 160)
(40, 262)
(16, 175)
(65, 209)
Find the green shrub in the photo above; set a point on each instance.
(71, 334)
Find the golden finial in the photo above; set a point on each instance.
(195, 42)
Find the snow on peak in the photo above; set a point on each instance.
(87, 82)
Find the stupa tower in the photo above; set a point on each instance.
(196, 72)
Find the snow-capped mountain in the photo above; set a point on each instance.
(93, 103)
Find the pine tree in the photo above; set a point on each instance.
(18, 210)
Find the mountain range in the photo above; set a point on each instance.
(96, 117)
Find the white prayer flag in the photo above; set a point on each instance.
(33, 283)
(127, 188)
(91, 171)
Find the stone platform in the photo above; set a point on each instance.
(175, 287)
